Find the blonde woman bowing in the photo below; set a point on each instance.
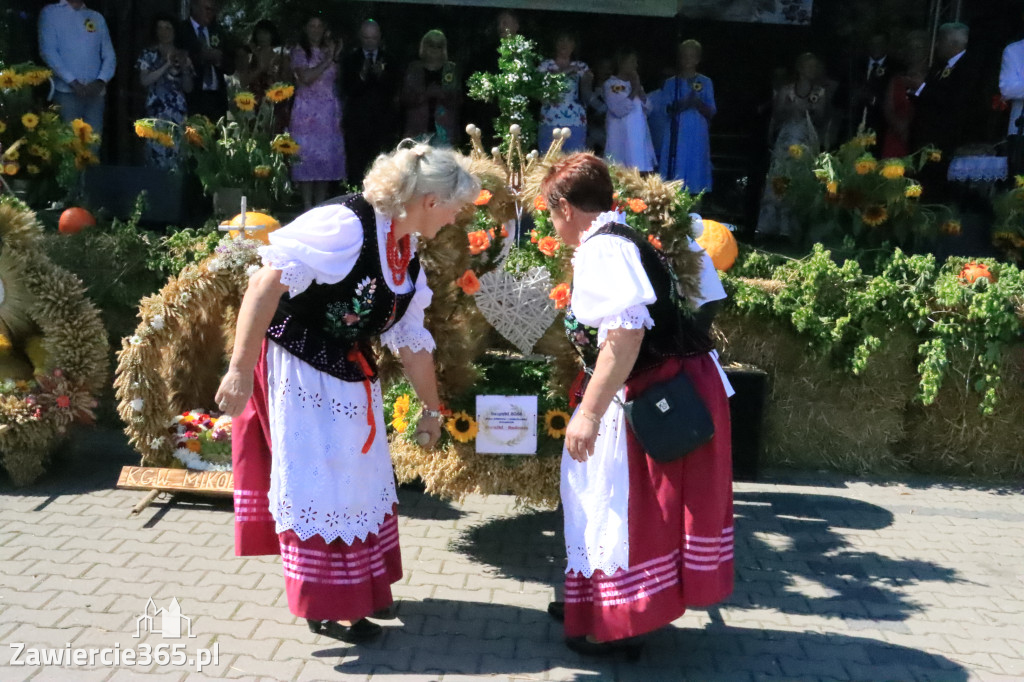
(313, 475)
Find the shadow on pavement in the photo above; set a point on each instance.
(453, 637)
(791, 556)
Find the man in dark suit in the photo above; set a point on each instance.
(873, 74)
(948, 106)
(212, 57)
(370, 83)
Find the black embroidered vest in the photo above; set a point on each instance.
(325, 323)
(673, 335)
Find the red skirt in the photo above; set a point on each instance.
(324, 581)
(680, 528)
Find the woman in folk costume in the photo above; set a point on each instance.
(644, 539)
(313, 475)
(685, 152)
(628, 137)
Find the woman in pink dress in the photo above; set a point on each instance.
(316, 116)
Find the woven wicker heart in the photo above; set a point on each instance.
(518, 307)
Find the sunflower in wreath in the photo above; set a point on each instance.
(461, 426)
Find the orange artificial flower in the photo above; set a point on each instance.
(478, 242)
(483, 198)
(560, 295)
(504, 232)
(539, 204)
(468, 283)
(548, 246)
(193, 445)
(655, 242)
(533, 236)
(637, 205)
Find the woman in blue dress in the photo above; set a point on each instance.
(166, 73)
(689, 97)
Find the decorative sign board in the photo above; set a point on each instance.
(506, 424)
(177, 480)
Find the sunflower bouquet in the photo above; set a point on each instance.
(241, 150)
(37, 148)
(851, 193)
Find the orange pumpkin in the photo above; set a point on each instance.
(972, 272)
(257, 225)
(720, 244)
(72, 220)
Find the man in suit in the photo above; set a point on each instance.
(948, 106)
(207, 47)
(370, 83)
(873, 74)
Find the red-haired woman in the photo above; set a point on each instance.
(644, 539)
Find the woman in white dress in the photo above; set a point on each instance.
(628, 137)
(313, 474)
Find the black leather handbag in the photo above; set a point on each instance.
(669, 419)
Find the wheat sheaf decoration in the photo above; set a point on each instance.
(174, 360)
(53, 348)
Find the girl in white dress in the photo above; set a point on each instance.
(628, 137)
(313, 474)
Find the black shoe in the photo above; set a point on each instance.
(631, 648)
(360, 631)
(390, 613)
(556, 609)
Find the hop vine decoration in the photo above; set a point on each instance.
(517, 83)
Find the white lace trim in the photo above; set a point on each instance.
(295, 275)
(321, 481)
(633, 317)
(408, 335)
(595, 501)
(600, 221)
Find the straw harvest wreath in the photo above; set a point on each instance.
(491, 299)
(53, 348)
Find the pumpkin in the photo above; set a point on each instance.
(718, 240)
(72, 220)
(257, 225)
(972, 272)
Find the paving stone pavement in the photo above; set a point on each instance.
(836, 579)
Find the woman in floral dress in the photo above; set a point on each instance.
(316, 114)
(166, 73)
(312, 469)
(570, 111)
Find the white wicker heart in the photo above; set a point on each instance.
(518, 307)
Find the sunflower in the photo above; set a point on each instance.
(12, 154)
(164, 139)
(82, 130)
(285, 144)
(1019, 180)
(914, 191)
(935, 155)
(144, 129)
(400, 425)
(245, 101)
(279, 92)
(555, 423)
(11, 168)
(461, 426)
(874, 216)
(796, 151)
(951, 227)
(32, 169)
(29, 120)
(865, 164)
(893, 170)
(262, 171)
(37, 76)
(9, 80)
(85, 158)
(403, 404)
(3, 127)
(90, 25)
(832, 187)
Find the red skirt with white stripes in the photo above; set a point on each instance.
(680, 528)
(324, 581)
(335, 581)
